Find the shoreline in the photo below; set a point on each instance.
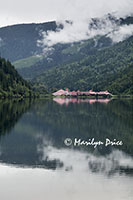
(97, 97)
(50, 96)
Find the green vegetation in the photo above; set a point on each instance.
(63, 54)
(26, 62)
(96, 63)
(123, 82)
(101, 70)
(11, 83)
(40, 89)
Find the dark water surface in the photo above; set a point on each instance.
(48, 149)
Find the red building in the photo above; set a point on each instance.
(66, 92)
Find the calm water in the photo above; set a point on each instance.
(42, 155)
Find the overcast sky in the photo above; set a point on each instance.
(27, 11)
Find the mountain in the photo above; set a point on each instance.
(94, 71)
(19, 44)
(20, 41)
(89, 64)
(62, 54)
(11, 83)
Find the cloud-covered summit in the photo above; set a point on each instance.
(76, 31)
(82, 15)
(79, 12)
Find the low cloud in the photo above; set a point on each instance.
(78, 31)
(85, 29)
(80, 14)
(122, 33)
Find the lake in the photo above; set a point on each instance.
(66, 149)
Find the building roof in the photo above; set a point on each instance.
(74, 93)
(59, 92)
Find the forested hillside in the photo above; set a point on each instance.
(94, 71)
(61, 55)
(19, 44)
(123, 82)
(11, 83)
(96, 63)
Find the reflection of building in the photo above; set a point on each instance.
(66, 92)
(66, 101)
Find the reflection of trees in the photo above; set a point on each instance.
(10, 112)
(109, 166)
(48, 123)
(123, 109)
(21, 147)
(85, 121)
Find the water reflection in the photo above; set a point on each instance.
(116, 162)
(49, 124)
(11, 111)
(32, 184)
(66, 101)
(32, 138)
